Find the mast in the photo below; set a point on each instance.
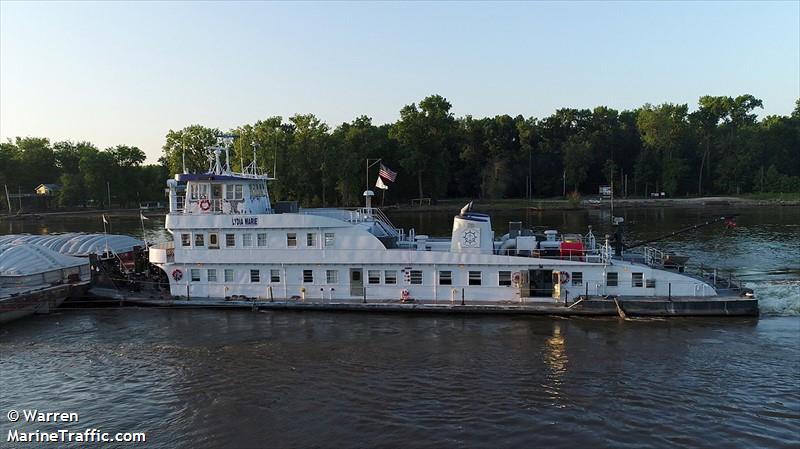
(8, 199)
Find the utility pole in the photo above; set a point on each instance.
(108, 187)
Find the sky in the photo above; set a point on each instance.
(126, 73)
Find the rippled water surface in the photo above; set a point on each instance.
(209, 378)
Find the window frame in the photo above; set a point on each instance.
(576, 278)
(308, 276)
(231, 272)
(609, 281)
(261, 239)
(332, 279)
(291, 240)
(255, 276)
(445, 279)
(211, 275)
(390, 279)
(213, 240)
(370, 277)
(230, 240)
(311, 239)
(504, 278)
(639, 281)
(472, 281)
(330, 239)
(186, 240)
(193, 272)
(273, 275)
(416, 277)
(199, 239)
(247, 240)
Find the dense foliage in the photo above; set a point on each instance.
(85, 174)
(720, 148)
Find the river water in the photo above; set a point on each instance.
(208, 379)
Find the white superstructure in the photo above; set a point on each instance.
(229, 241)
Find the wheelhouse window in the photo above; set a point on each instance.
(637, 279)
(474, 278)
(186, 240)
(374, 276)
(255, 276)
(195, 275)
(446, 277)
(291, 239)
(329, 239)
(308, 276)
(212, 275)
(233, 192)
(213, 241)
(230, 240)
(228, 275)
(390, 277)
(504, 278)
(612, 279)
(311, 239)
(275, 276)
(577, 278)
(332, 277)
(262, 239)
(415, 277)
(247, 239)
(199, 240)
(198, 191)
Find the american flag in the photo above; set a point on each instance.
(387, 174)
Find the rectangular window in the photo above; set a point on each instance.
(199, 240)
(390, 277)
(474, 278)
(213, 241)
(228, 275)
(195, 275)
(262, 239)
(311, 239)
(445, 278)
(275, 276)
(504, 279)
(186, 240)
(612, 279)
(416, 277)
(332, 277)
(230, 240)
(291, 239)
(255, 276)
(637, 279)
(577, 278)
(374, 276)
(212, 275)
(651, 283)
(233, 192)
(308, 276)
(329, 239)
(247, 239)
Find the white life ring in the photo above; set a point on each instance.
(564, 276)
(404, 294)
(177, 274)
(205, 205)
(516, 278)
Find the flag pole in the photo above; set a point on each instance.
(374, 161)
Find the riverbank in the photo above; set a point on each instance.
(781, 200)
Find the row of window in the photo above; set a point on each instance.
(612, 280)
(248, 240)
(414, 277)
(199, 191)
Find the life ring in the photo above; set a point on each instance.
(404, 294)
(516, 278)
(564, 277)
(205, 205)
(177, 274)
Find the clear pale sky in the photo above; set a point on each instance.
(126, 73)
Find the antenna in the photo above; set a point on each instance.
(183, 154)
(255, 165)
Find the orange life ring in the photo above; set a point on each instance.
(404, 294)
(516, 278)
(177, 274)
(205, 205)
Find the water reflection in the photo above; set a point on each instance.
(555, 358)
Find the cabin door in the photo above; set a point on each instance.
(356, 282)
(540, 283)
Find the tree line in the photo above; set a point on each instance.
(719, 148)
(86, 175)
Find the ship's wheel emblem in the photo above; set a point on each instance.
(471, 238)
